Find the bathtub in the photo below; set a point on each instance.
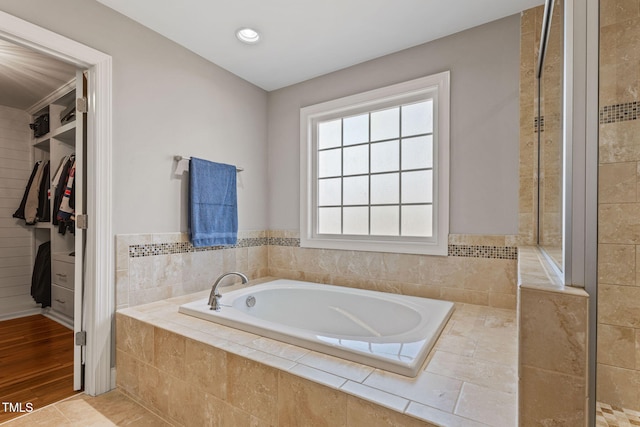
(387, 331)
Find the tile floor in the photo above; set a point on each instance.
(611, 416)
(109, 409)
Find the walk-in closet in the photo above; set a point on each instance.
(41, 136)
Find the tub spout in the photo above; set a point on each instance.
(214, 297)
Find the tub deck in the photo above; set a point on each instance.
(468, 379)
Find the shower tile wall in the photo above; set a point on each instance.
(618, 370)
(552, 318)
(479, 269)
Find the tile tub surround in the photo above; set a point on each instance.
(553, 353)
(618, 353)
(480, 269)
(191, 371)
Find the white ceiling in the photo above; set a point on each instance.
(302, 39)
(27, 76)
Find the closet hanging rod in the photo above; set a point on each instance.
(178, 158)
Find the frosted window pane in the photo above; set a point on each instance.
(417, 152)
(329, 220)
(356, 129)
(356, 220)
(356, 160)
(417, 221)
(356, 190)
(329, 163)
(329, 192)
(385, 220)
(384, 156)
(384, 189)
(329, 134)
(417, 118)
(385, 124)
(417, 187)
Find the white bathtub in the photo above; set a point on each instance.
(387, 331)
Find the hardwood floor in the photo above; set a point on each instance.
(36, 364)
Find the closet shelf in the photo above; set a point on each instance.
(65, 133)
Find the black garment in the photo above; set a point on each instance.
(43, 214)
(19, 213)
(61, 185)
(41, 277)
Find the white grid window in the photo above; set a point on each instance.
(375, 169)
(375, 172)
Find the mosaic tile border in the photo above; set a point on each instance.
(152, 249)
(619, 112)
(481, 251)
(535, 124)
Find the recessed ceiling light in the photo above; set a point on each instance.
(248, 35)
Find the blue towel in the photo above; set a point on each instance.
(213, 203)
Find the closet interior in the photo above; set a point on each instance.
(39, 135)
(38, 140)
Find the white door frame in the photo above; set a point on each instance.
(99, 297)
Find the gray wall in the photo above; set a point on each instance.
(166, 101)
(169, 101)
(484, 63)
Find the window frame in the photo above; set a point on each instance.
(434, 87)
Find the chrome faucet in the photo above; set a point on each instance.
(214, 297)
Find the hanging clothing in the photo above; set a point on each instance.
(19, 213)
(41, 277)
(66, 212)
(60, 182)
(31, 207)
(43, 212)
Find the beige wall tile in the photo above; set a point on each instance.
(154, 387)
(465, 295)
(617, 264)
(617, 182)
(135, 338)
(617, 346)
(186, 403)
(499, 300)
(217, 412)
(637, 349)
(550, 398)
(304, 403)
(618, 386)
(362, 413)
(618, 305)
(553, 331)
(613, 11)
(496, 275)
(619, 223)
(169, 352)
(122, 288)
(127, 372)
(206, 368)
(618, 141)
(252, 387)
